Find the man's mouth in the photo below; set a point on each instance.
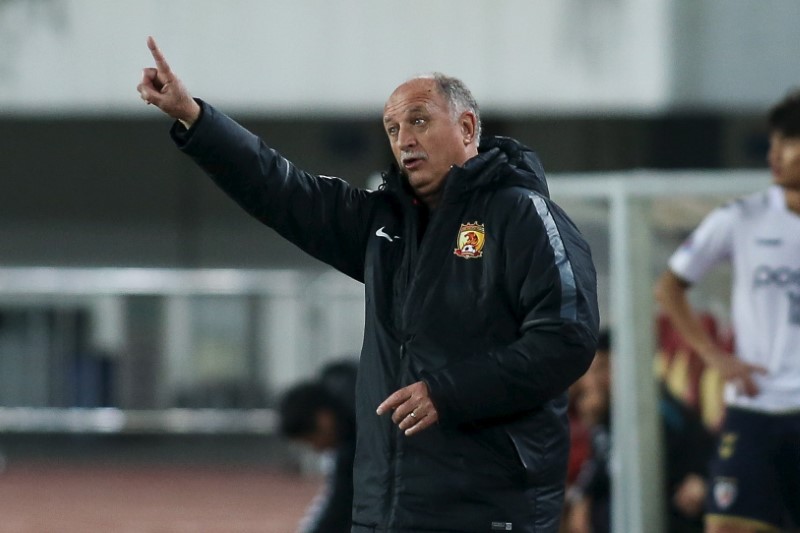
(412, 161)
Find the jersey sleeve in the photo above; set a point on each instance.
(709, 244)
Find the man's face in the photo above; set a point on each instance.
(324, 437)
(784, 160)
(425, 139)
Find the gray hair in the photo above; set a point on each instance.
(458, 97)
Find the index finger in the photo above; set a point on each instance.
(161, 62)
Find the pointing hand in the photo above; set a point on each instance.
(162, 88)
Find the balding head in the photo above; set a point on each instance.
(432, 124)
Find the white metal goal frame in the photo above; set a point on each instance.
(637, 488)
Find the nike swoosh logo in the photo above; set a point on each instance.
(381, 233)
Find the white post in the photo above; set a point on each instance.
(637, 488)
(178, 363)
(284, 337)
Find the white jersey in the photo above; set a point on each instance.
(761, 238)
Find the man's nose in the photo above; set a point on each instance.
(406, 138)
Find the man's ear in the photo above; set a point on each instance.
(469, 124)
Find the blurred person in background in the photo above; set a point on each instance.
(688, 446)
(579, 436)
(321, 414)
(589, 497)
(688, 449)
(481, 306)
(755, 476)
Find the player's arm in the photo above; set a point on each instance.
(671, 294)
(710, 244)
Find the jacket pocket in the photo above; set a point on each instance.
(485, 448)
(541, 445)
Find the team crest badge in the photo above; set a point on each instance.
(470, 241)
(724, 492)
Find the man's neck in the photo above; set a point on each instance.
(792, 200)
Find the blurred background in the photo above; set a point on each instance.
(148, 326)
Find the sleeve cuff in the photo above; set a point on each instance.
(180, 134)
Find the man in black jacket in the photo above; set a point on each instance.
(480, 296)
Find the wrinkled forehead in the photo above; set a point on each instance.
(416, 93)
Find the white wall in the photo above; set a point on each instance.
(312, 56)
(318, 56)
(734, 54)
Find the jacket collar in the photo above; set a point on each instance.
(501, 162)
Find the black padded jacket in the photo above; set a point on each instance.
(492, 302)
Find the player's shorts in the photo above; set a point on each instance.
(755, 476)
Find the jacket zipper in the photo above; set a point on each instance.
(394, 445)
(413, 248)
(390, 501)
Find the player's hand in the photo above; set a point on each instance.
(690, 496)
(162, 88)
(736, 371)
(413, 408)
(579, 517)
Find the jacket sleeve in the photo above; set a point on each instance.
(323, 216)
(550, 280)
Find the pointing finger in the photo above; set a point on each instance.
(161, 62)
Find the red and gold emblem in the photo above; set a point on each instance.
(470, 241)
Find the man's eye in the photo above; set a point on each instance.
(419, 121)
(392, 131)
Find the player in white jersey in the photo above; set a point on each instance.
(755, 477)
